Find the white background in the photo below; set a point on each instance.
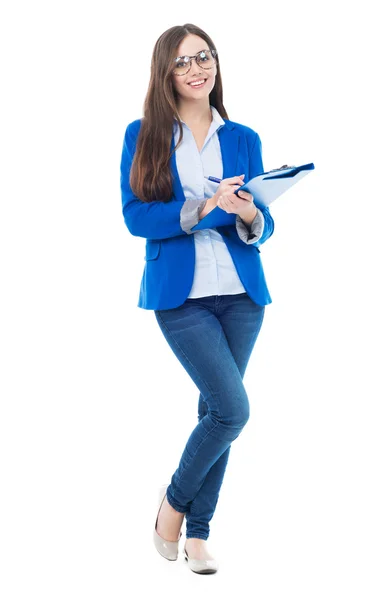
(95, 408)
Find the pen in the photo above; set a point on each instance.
(216, 179)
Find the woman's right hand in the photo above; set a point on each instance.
(227, 186)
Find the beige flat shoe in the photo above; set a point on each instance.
(166, 548)
(201, 566)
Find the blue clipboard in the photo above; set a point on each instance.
(267, 187)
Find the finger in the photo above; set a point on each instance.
(245, 195)
(233, 189)
(238, 179)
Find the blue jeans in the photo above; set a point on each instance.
(213, 338)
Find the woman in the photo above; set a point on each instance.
(203, 274)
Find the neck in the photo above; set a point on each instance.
(195, 113)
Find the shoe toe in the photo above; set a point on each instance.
(202, 566)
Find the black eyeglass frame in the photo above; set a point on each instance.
(213, 53)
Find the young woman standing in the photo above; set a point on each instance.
(206, 285)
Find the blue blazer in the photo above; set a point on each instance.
(170, 251)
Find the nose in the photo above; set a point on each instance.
(195, 68)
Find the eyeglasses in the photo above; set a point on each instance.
(204, 58)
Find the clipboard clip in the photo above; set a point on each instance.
(281, 168)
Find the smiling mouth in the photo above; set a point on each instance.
(200, 82)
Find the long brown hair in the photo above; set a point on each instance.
(150, 176)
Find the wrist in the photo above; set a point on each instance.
(210, 204)
(249, 214)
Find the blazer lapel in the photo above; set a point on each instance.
(229, 145)
(177, 187)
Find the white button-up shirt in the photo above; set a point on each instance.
(215, 272)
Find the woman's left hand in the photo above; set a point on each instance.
(238, 205)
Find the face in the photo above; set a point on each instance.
(189, 46)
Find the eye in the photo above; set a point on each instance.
(205, 56)
(181, 61)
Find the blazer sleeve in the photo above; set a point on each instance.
(155, 220)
